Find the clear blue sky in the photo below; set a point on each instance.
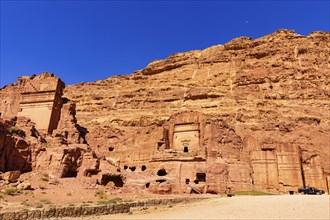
(83, 41)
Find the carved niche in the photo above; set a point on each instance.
(184, 134)
(186, 137)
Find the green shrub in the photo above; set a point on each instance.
(39, 205)
(25, 203)
(45, 144)
(13, 131)
(251, 193)
(45, 177)
(106, 202)
(100, 193)
(46, 201)
(109, 201)
(129, 200)
(10, 191)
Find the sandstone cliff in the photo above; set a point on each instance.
(275, 88)
(257, 110)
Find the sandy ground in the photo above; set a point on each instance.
(69, 191)
(64, 192)
(239, 207)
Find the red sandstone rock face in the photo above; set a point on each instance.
(252, 114)
(24, 146)
(15, 150)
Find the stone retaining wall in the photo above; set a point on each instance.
(79, 211)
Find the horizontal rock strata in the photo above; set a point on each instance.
(246, 115)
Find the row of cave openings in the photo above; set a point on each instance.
(133, 168)
(185, 149)
(161, 172)
(200, 177)
(118, 181)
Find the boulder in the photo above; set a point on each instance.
(12, 176)
(24, 186)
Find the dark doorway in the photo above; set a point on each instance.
(71, 173)
(185, 150)
(201, 177)
(91, 172)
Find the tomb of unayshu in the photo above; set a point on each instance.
(41, 100)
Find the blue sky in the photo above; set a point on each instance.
(82, 41)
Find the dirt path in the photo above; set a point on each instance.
(239, 207)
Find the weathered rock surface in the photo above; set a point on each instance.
(15, 151)
(26, 147)
(268, 93)
(247, 115)
(11, 176)
(24, 186)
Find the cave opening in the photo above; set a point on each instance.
(162, 172)
(116, 179)
(71, 173)
(91, 172)
(201, 177)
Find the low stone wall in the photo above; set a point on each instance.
(79, 211)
